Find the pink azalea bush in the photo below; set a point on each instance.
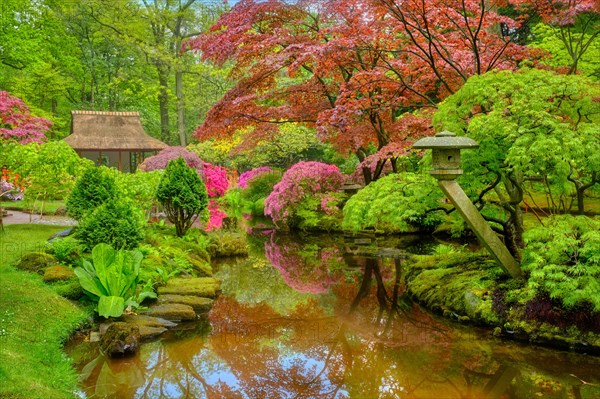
(215, 179)
(160, 160)
(304, 271)
(246, 177)
(17, 124)
(302, 180)
(216, 216)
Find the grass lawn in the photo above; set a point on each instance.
(34, 323)
(47, 207)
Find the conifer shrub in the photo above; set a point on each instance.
(115, 222)
(94, 188)
(182, 194)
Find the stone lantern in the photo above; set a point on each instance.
(446, 148)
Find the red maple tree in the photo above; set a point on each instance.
(17, 124)
(353, 69)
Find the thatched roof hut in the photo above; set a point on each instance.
(110, 138)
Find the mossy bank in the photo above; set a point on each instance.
(470, 288)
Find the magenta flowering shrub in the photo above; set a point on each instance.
(17, 124)
(309, 271)
(160, 160)
(216, 216)
(215, 179)
(302, 180)
(251, 174)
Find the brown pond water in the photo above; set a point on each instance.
(298, 319)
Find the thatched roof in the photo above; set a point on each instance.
(110, 131)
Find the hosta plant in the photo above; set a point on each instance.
(111, 279)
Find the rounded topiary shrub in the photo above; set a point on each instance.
(182, 194)
(94, 188)
(115, 222)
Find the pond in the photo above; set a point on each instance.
(316, 318)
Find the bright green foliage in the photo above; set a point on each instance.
(66, 250)
(563, 259)
(321, 212)
(115, 222)
(530, 125)
(395, 203)
(261, 186)
(549, 39)
(94, 188)
(51, 168)
(258, 190)
(111, 279)
(183, 195)
(140, 188)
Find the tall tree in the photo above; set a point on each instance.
(354, 69)
(576, 23)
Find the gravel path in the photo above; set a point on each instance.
(16, 217)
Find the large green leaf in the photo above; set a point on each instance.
(90, 283)
(103, 256)
(111, 306)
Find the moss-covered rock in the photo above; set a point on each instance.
(120, 339)
(171, 311)
(459, 285)
(58, 273)
(199, 304)
(206, 287)
(200, 266)
(225, 243)
(36, 262)
(70, 289)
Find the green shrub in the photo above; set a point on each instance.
(395, 203)
(51, 168)
(261, 186)
(111, 279)
(94, 188)
(563, 259)
(139, 188)
(66, 250)
(115, 222)
(183, 195)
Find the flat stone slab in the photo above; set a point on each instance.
(206, 287)
(200, 304)
(172, 311)
(148, 321)
(147, 333)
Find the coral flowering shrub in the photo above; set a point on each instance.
(300, 181)
(216, 179)
(246, 177)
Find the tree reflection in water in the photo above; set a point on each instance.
(351, 333)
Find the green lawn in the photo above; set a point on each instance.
(34, 323)
(47, 207)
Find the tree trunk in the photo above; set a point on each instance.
(180, 107)
(163, 101)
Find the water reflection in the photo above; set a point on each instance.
(310, 326)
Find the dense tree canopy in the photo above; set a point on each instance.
(353, 69)
(532, 126)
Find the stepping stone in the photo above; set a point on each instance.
(173, 311)
(148, 321)
(147, 333)
(207, 287)
(199, 304)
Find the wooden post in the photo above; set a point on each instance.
(120, 161)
